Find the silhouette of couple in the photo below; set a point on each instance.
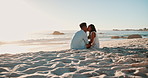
(82, 41)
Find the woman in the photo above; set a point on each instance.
(94, 40)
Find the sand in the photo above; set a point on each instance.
(122, 58)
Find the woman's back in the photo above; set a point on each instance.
(94, 39)
(95, 43)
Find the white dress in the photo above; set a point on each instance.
(95, 43)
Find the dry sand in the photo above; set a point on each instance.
(122, 58)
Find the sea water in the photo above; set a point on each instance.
(45, 41)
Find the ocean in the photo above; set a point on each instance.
(45, 41)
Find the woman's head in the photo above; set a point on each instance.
(91, 28)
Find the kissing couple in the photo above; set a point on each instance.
(82, 41)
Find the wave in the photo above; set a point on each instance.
(38, 41)
(2, 43)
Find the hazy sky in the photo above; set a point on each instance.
(105, 14)
(22, 16)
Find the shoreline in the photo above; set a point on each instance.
(111, 43)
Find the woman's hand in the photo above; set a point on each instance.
(88, 45)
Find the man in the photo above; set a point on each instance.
(80, 39)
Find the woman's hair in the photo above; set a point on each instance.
(92, 28)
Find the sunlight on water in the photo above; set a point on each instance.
(12, 36)
(45, 41)
(12, 48)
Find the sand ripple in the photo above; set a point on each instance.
(108, 62)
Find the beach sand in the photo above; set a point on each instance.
(122, 58)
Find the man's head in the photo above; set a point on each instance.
(83, 26)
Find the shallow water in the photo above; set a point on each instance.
(45, 41)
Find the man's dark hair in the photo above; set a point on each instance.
(82, 25)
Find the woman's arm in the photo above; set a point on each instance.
(93, 35)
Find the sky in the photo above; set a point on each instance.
(104, 14)
(23, 16)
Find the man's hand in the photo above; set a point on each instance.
(88, 45)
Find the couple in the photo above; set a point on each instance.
(80, 39)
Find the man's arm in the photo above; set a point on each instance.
(85, 38)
